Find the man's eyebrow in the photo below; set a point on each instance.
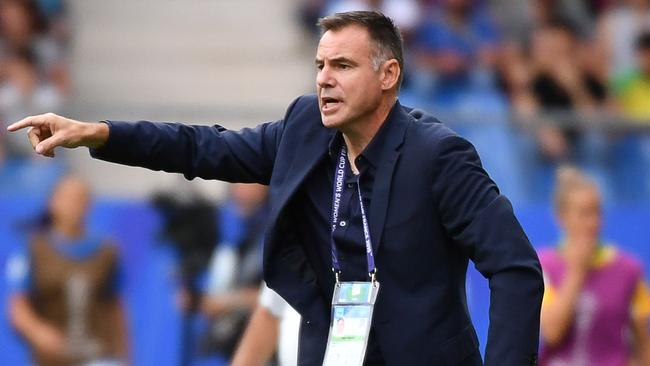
(336, 60)
(343, 60)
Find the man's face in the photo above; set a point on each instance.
(347, 83)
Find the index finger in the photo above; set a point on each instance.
(26, 122)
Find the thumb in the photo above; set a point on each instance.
(47, 146)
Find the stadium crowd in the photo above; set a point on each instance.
(570, 78)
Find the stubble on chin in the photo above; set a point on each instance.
(328, 122)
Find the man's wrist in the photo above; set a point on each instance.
(97, 134)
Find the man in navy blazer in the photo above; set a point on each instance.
(430, 205)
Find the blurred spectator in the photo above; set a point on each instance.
(597, 7)
(33, 70)
(595, 292)
(309, 11)
(632, 89)
(576, 16)
(513, 18)
(53, 11)
(65, 297)
(23, 93)
(618, 29)
(190, 229)
(455, 50)
(575, 12)
(555, 84)
(23, 27)
(235, 270)
(274, 325)
(20, 24)
(404, 13)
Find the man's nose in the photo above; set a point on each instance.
(324, 78)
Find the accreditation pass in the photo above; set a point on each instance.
(352, 308)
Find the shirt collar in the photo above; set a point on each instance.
(603, 255)
(335, 145)
(79, 248)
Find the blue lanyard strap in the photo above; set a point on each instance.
(339, 175)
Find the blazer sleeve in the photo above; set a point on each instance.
(208, 152)
(482, 222)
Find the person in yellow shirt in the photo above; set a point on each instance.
(632, 89)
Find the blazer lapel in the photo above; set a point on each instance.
(307, 155)
(384, 176)
(287, 275)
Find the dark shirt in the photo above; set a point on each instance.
(315, 221)
(551, 95)
(554, 98)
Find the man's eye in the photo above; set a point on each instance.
(319, 67)
(344, 67)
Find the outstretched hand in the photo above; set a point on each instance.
(47, 131)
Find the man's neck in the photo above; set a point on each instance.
(359, 134)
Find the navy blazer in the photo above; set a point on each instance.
(433, 208)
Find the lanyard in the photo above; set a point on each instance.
(339, 174)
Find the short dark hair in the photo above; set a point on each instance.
(643, 41)
(563, 24)
(382, 30)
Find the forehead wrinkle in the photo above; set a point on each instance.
(345, 42)
(335, 58)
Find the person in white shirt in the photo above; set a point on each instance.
(273, 325)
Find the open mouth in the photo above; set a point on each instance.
(329, 103)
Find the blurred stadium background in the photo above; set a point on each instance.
(533, 84)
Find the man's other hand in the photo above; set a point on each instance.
(47, 131)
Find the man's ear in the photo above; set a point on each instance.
(390, 73)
